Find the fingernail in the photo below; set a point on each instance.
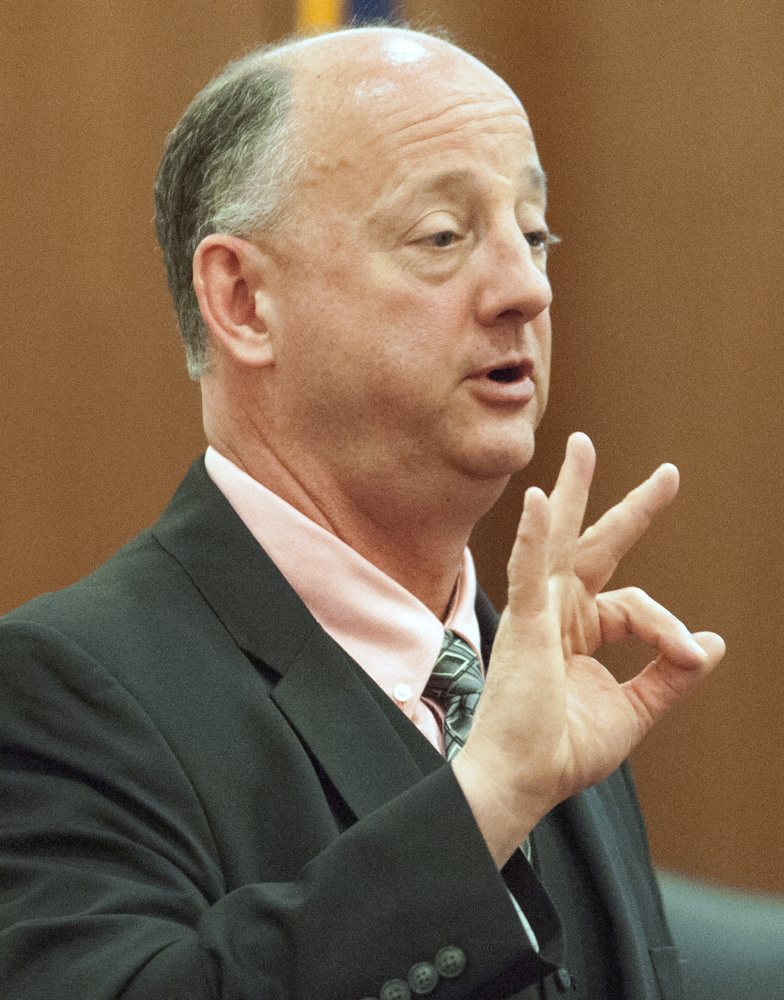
(697, 648)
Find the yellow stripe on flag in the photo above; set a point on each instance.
(314, 16)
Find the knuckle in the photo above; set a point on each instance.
(637, 596)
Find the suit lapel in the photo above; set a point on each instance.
(346, 728)
(346, 722)
(488, 619)
(236, 578)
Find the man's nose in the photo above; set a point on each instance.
(515, 285)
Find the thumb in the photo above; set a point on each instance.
(663, 683)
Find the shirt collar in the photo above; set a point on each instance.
(388, 631)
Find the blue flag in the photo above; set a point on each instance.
(372, 10)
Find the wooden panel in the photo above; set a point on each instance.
(99, 420)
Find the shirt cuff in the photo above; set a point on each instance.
(526, 926)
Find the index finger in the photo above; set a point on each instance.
(605, 543)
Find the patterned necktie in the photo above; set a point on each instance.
(456, 684)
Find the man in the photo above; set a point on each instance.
(223, 772)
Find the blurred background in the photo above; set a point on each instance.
(661, 127)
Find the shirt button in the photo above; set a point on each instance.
(422, 978)
(395, 989)
(450, 961)
(401, 692)
(563, 979)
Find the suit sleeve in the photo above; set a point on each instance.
(112, 883)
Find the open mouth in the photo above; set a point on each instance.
(512, 373)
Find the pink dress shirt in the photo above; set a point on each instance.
(387, 630)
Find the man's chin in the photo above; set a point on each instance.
(497, 462)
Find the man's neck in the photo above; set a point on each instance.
(413, 534)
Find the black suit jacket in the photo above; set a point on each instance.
(203, 796)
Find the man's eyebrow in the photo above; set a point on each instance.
(532, 179)
(537, 179)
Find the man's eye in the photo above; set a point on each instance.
(443, 239)
(541, 239)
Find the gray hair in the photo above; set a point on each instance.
(229, 167)
(226, 169)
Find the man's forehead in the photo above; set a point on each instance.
(375, 72)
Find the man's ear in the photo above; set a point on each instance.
(228, 277)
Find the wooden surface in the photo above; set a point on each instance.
(660, 126)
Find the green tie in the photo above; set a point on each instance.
(456, 684)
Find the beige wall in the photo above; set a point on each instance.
(660, 126)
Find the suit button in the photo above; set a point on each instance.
(450, 961)
(563, 979)
(395, 989)
(422, 978)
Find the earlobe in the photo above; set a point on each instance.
(228, 277)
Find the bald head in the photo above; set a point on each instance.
(364, 51)
(282, 116)
(344, 84)
(358, 54)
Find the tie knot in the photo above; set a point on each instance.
(455, 684)
(457, 671)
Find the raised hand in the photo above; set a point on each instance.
(552, 720)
